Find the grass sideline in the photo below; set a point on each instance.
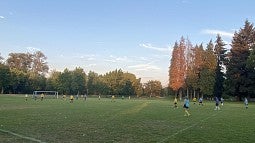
(56, 120)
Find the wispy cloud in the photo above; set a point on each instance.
(90, 57)
(2, 17)
(144, 67)
(90, 65)
(220, 32)
(149, 46)
(32, 49)
(115, 59)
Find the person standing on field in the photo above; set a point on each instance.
(200, 101)
(85, 97)
(26, 96)
(245, 102)
(217, 103)
(186, 106)
(175, 103)
(113, 98)
(71, 99)
(194, 100)
(42, 96)
(221, 101)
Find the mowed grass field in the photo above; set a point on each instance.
(125, 121)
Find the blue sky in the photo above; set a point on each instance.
(103, 35)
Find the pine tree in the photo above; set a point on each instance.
(250, 65)
(177, 69)
(173, 69)
(220, 53)
(237, 73)
(207, 72)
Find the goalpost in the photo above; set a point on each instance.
(54, 93)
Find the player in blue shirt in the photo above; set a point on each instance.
(200, 101)
(186, 107)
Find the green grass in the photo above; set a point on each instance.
(55, 120)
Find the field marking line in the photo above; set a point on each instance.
(135, 109)
(186, 128)
(21, 136)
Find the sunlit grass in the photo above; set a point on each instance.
(135, 120)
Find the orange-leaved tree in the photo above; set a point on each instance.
(177, 69)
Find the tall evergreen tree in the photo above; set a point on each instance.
(1, 59)
(250, 65)
(237, 73)
(220, 52)
(173, 69)
(207, 73)
(177, 71)
(198, 60)
(5, 75)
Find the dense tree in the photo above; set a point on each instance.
(153, 88)
(207, 72)
(28, 62)
(220, 53)
(5, 75)
(78, 82)
(93, 83)
(177, 69)
(1, 59)
(173, 69)
(120, 83)
(193, 78)
(20, 61)
(36, 82)
(250, 65)
(237, 72)
(19, 81)
(53, 81)
(39, 64)
(65, 80)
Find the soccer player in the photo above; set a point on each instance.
(175, 103)
(217, 103)
(71, 99)
(245, 102)
(26, 96)
(186, 107)
(200, 101)
(194, 100)
(64, 97)
(42, 96)
(113, 97)
(221, 101)
(85, 97)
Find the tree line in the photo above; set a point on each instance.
(194, 71)
(27, 72)
(215, 71)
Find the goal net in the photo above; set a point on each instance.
(47, 94)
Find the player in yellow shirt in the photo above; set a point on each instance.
(64, 97)
(194, 100)
(113, 97)
(71, 99)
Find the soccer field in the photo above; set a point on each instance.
(135, 120)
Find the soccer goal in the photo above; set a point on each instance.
(37, 94)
